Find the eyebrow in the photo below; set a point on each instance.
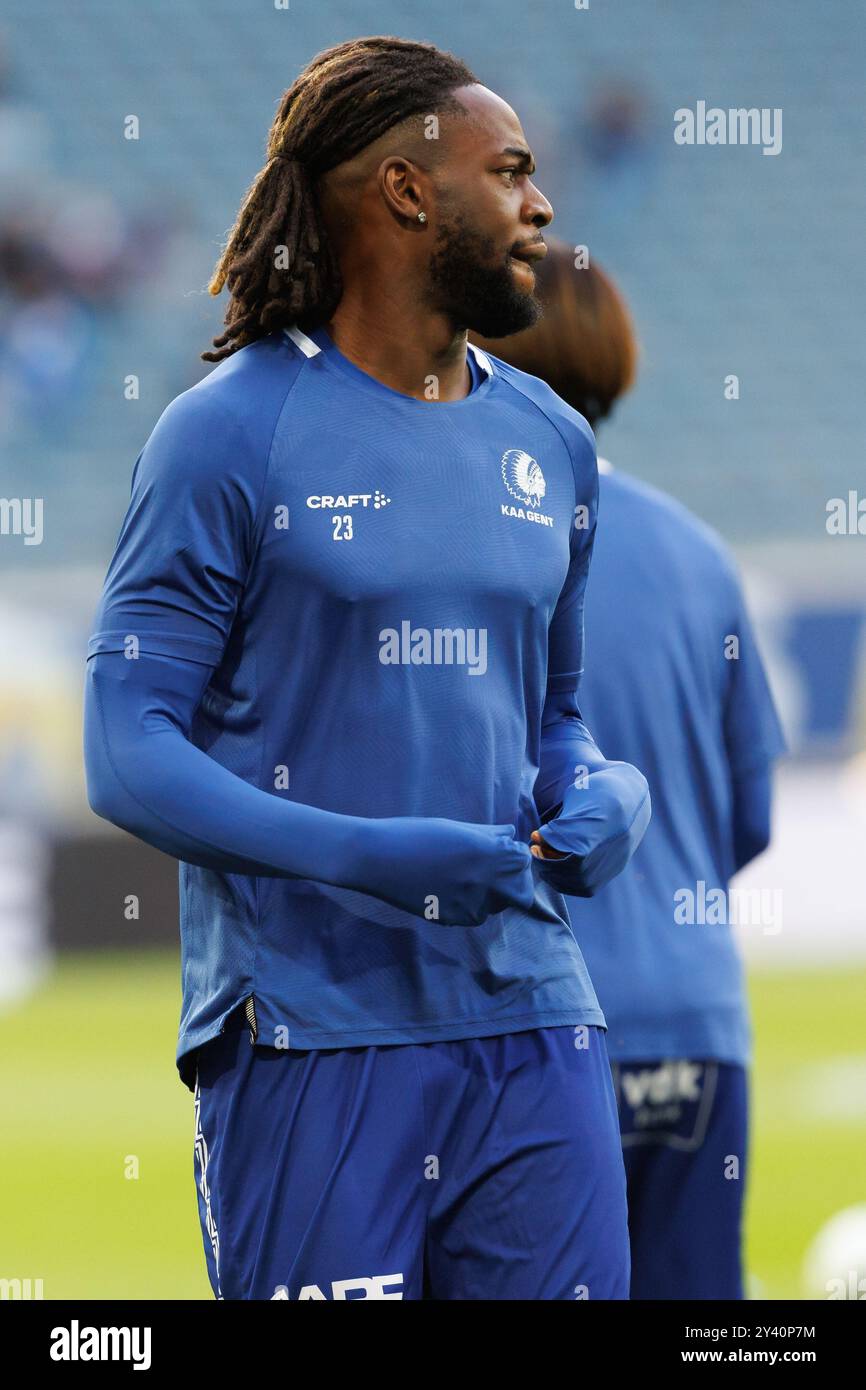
(525, 156)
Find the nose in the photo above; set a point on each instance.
(537, 209)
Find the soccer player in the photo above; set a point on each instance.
(334, 672)
(675, 682)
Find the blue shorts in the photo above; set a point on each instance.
(684, 1137)
(488, 1168)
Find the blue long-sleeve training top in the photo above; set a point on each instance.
(335, 625)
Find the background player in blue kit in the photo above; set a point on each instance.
(334, 672)
(667, 686)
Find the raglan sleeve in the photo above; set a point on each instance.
(169, 600)
(563, 729)
(594, 812)
(180, 565)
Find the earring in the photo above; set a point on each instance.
(422, 217)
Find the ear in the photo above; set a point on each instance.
(402, 186)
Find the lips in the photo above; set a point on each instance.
(535, 251)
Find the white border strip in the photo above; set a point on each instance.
(482, 359)
(300, 340)
(201, 1153)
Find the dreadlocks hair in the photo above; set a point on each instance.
(346, 98)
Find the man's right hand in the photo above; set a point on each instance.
(445, 871)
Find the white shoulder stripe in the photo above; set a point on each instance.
(307, 346)
(482, 359)
(311, 349)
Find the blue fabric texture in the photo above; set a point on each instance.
(341, 632)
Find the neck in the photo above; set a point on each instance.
(372, 327)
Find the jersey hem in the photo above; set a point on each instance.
(404, 1035)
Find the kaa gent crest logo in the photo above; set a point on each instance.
(522, 475)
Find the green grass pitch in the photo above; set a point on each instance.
(89, 1092)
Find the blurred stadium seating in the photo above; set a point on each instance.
(734, 262)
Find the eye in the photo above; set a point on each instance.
(510, 173)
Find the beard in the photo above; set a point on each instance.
(474, 286)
